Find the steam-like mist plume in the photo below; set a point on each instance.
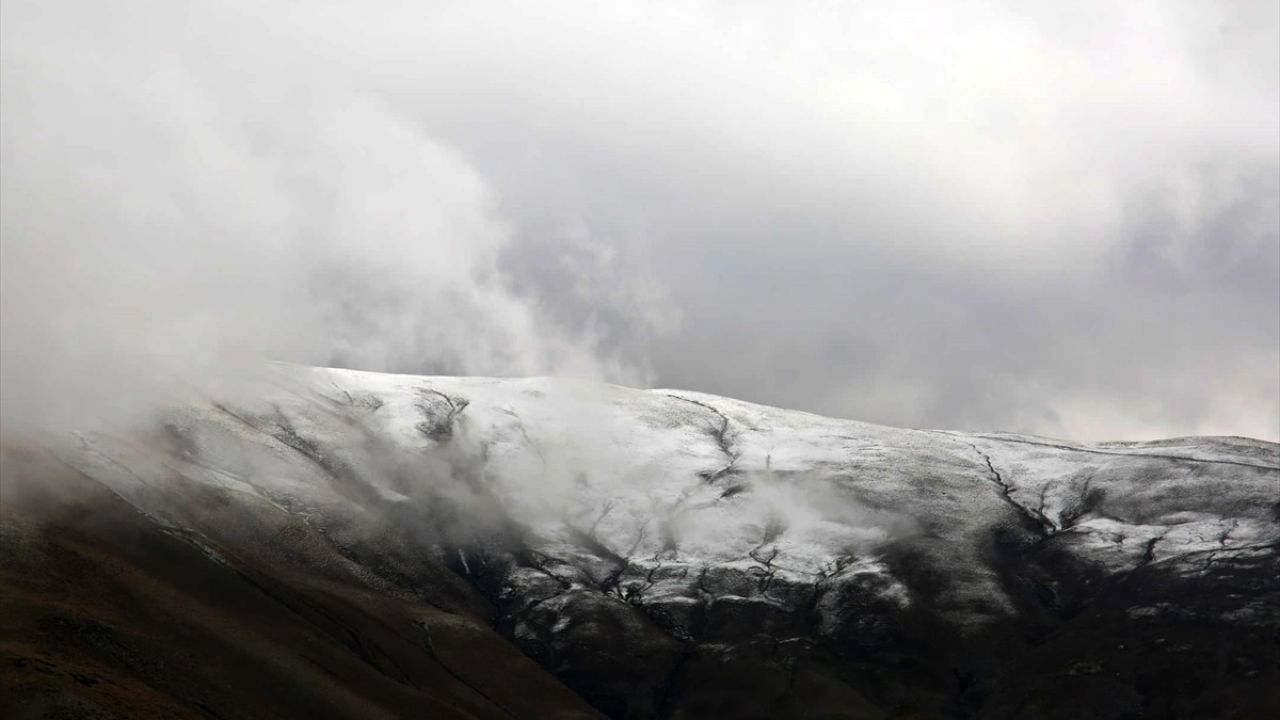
(173, 215)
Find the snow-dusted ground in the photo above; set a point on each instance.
(672, 499)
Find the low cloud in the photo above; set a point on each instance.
(996, 216)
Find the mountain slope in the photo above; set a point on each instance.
(344, 544)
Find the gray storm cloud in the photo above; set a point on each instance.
(166, 216)
(1059, 219)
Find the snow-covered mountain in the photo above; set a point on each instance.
(348, 544)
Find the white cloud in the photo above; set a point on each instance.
(999, 212)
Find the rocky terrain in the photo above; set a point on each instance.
(332, 543)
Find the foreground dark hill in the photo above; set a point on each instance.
(342, 544)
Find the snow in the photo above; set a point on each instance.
(668, 488)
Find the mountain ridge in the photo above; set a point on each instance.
(656, 553)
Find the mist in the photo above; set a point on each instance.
(1002, 217)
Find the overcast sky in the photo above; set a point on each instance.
(1053, 218)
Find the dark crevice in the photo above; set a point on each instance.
(1035, 519)
(719, 432)
(439, 427)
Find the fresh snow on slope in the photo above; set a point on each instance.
(665, 497)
